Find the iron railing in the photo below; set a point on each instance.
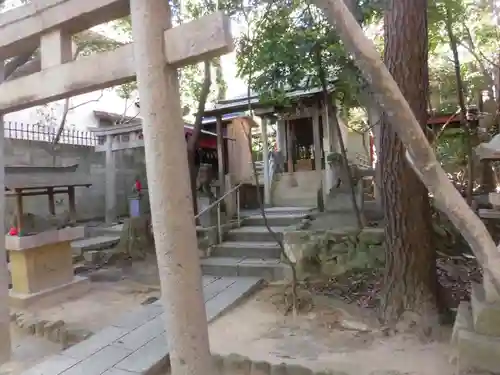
(43, 133)
(217, 203)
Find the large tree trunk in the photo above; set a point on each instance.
(410, 277)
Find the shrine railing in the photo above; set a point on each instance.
(43, 133)
(217, 203)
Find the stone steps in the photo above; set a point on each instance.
(276, 219)
(97, 231)
(94, 243)
(240, 249)
(254, 234)
(269, 269)
(251, 250)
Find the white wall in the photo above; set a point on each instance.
(81, 117)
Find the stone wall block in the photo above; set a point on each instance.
(278, 369)
(235, 364)
(298, 370)
(486, 315)
(260, 368)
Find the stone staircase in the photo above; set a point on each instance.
(97, 238)
(251, 249)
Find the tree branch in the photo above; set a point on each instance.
(403, 121)
(193, 140)
(202, 101)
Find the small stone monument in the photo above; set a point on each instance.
(41, 257)
(490, 151)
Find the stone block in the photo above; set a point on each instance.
(147, 359)
(51, 296)
(95, 343)
(40, 328)
(235, 364)
(142, 335)
(372, 236)
(486, 316)
(54, 365)
(41, 268)
(103, 360)
(463, 320)
(260, 368)
(98, 256)
(278, 369)
(477, 353)
(51, 330)
(298, 370)
(115, 371)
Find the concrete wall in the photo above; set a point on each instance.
(81, 116)
(89, 201)
(299, 188)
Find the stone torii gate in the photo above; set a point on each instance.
(157, 50)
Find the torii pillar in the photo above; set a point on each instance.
(169, 187)
(5, 346)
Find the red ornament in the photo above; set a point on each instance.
(138, 186)
(13, 231)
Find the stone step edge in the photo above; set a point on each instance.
(248, 244)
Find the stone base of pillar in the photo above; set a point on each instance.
(5, 346)
(50, 297)
(476, 335)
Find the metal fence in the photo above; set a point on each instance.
(42, 133)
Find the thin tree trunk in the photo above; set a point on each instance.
(410, 274)
(193, 141)
(461, 102)
(389, 97)
(168, 177)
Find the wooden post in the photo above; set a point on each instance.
(328, 140)
(110, 191)
(52, 202)
(169, 187)
(265, 159)
(19, 209)
(289, 146)
(317, 140)
(5, 346)
(220, 155)
(72, 203)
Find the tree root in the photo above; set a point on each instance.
(298, 302)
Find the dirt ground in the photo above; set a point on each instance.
(333, 336)
(113, 291)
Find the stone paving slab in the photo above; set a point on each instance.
(94, 243)
(136, 343)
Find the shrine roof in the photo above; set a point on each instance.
(33, 177)
(134, 126)
(253, 100)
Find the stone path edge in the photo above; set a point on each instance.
(136, 343)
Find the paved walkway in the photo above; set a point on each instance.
(136, 343)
